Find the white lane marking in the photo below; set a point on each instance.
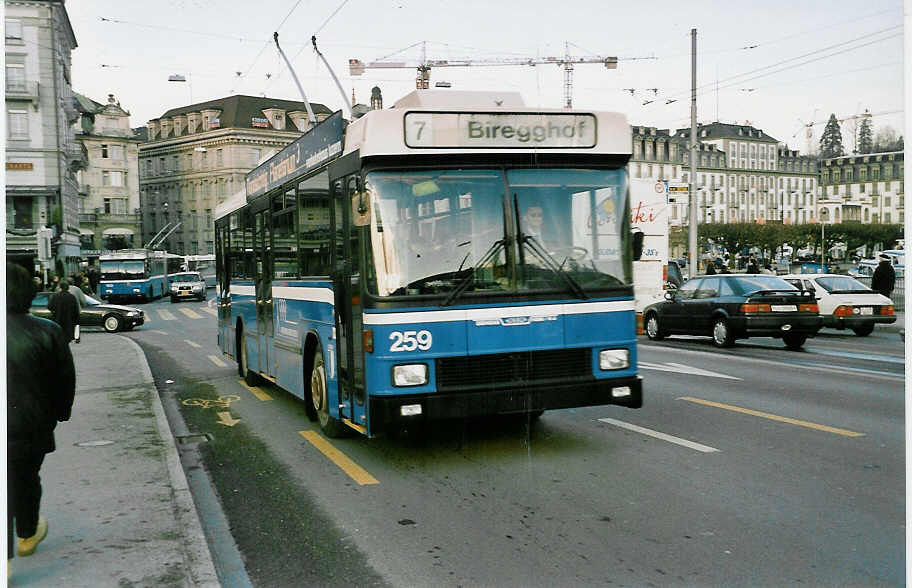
(217, 361)
(158, 331)
(211, 311)
(192, 344)
(166, 315)
(802, 365)
(662, 436)
(190, 313)
(680, 368)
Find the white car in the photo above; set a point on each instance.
(187, 285)
(846, 303)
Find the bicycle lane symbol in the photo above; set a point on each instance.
(224, 417)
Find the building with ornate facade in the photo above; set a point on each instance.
(42, 154)
(743, 174)
(109, 216)
(866, 188)
(196, 156)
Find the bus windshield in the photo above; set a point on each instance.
(498, 231)
(122, 269)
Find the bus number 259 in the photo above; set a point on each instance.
(410, 340)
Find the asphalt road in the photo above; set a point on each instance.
(748, 466)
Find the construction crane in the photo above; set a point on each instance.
(809, 126)
(357, 67)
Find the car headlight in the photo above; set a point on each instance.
(174, 286)
(614, 359)
(133, 313)
(415, 374)
(197, 288)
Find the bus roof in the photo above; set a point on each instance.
(428, 122)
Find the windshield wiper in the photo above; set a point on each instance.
(493, 250)
(551, 264)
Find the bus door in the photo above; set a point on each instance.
(263, 282)
(347, 292)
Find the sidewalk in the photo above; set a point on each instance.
(115, 496)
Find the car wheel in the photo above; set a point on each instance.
(794, 341)
(722, 336)
(652, 328)
(864, 330)
(112, 323)
(319, 398)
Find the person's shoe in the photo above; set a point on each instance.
(28, 546)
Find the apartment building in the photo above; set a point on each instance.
(864, 188)
(109, 216)
(743, 174)
(42, 155)
(196, 156)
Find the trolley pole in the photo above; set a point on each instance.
(694, 257)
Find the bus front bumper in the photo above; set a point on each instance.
(386, 411)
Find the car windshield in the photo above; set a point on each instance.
(448, 231)
(842, 284)
(186, 278)
(41, 299)
(750, 284)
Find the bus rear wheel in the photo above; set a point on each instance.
(319, 398)
(251, 378)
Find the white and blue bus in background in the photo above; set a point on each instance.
(204, 264)
(456, 255)
(139, 274)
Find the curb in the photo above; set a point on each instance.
(196, 550)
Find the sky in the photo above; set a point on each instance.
(784, 66)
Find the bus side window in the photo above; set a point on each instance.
(284, 237)
(314, 229)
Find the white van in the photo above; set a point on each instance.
(846, 303)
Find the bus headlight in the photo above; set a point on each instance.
(415, 374)
(614, 359)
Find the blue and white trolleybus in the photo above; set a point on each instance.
(136, 273)
(456, 255)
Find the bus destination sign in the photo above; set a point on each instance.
(496, 130)
(309, 151)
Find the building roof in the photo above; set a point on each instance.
(237, 111)
(718, 130)
(85, 105)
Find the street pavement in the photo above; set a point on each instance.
(115, 496)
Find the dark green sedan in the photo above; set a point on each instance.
(110, 317)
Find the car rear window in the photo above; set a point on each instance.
(40, 300)
(842, 284)
(747, 285)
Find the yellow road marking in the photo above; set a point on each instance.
(217, 361)
(354, 471)
(211, 311)
(256, 391)
(166, 315)
(189, 313)
(191, 343)
(774, 417)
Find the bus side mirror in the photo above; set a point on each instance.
(638, 237)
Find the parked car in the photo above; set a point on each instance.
(846, 303)
(735, 306)
(186, 285)
(111, 317)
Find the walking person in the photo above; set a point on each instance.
(64, 308)
(884, 278)
(752, 267)
(40, 388)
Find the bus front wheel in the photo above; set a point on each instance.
(251, 378)
(319, 398)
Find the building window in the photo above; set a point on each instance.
(13, 30)
(22, 212)
(161, 165)
(104, 151)
(848, 175)
(218, 157)
(15, 77)
(111, 178)
(148, 167)
(18, 124)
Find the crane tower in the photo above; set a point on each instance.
(423, 67)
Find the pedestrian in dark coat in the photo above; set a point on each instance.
(40, 388)
(65, 309)
(752, 267)
(884, 278)
(710, 269)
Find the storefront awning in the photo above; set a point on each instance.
(117, 231)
